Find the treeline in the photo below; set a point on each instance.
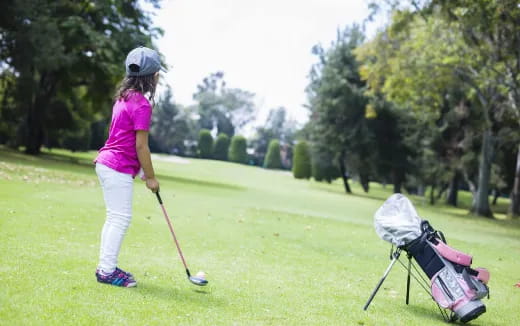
(431, 102)
(211, 127)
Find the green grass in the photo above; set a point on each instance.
(277, 251)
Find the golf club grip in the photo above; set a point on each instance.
(159, 197)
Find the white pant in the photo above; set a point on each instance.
(117, 192)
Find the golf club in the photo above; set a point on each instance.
(193, 279)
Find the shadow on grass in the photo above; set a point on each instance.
(433, 314)
(86, 166)
(200, 183)
(66, 159)
(508, 222)
(17, 157)
(195, 296)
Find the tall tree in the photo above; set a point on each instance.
(427, 59)
(68, 52)
(227, 109)
(170, 125)
(490, 32)
(337, 103)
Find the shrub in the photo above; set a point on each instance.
(273, 159)
(238, 150)
(220, 151)
(205, 146)
(301, 161)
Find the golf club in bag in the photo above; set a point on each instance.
(193, 279)
(452, 283)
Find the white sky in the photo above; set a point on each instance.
(263, 46)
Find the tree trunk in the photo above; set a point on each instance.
(34, 138)
(514, 207)
(432, 195)
(481, 206)
(453, 190)
(441, 192)
(397, 180)
(364, 180)
(36, 112)
(341, 161)
(496, 194)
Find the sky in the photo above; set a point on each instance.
(262, 46)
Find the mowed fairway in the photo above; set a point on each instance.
(277, 251)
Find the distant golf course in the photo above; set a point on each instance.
(276, 250)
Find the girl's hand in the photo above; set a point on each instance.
(152, 184)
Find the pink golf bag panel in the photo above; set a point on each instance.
(452, 255)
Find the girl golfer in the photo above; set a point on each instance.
(123, 155)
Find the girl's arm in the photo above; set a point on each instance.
(143, 154)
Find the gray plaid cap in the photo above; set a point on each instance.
(143, 61)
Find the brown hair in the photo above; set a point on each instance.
(142, 84)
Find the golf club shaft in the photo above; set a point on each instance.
(173, 233)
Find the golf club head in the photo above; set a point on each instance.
(198, 281)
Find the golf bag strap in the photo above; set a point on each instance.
(482, 274)
(466, 276)
(451, 254)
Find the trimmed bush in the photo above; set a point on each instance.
(238, 150)
(205, 146)
(301, 161)
(220, 151)
(273, 159)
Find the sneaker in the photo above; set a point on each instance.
(130, 276)
(117, 278)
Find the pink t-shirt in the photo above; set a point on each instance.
(119, 152)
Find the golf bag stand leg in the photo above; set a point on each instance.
(395, 256)
(408, 278)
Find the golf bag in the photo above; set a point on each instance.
(454, 285)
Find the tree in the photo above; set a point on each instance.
(273, 159)
(227, 109)
(220, 151)
(170, 126)
(238, 150)
(302, 161)
(431, 53)
(391, 127)
(69, 52)
(205, 144)
(276, 126)
(322, 163)
(337, 102)
(491, 29)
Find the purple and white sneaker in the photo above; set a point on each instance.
(118, 278)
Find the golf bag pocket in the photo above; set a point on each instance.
(447, 289)
(460, 288)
